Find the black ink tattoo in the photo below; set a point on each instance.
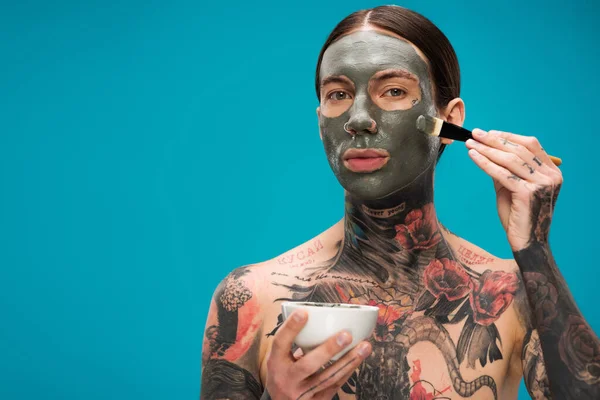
(570, 347)
(222, 379)
(534, 368)
(234, 295)
(509, 143)
(230, 354)
(531, 170)
(532, 358)
(537, 161)
(513, 176)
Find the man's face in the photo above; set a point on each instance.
(370, 76)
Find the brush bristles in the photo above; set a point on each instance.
(429, 125)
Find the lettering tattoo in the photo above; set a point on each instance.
(390, 212)
(470, 257)
(509, 143)
(537, 161)
(513, 176)
(570, 347)
(304, 253)
(332, 278)
(303, 264)
(531, 170)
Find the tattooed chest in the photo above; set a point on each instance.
(447, 297)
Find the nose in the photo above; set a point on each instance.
(360, 121)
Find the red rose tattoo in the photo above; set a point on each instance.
(419, 230)
(580, 351)
(447, 278)
(492, 295)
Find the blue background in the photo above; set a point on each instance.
(148, 148)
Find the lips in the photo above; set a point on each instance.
(365, 160)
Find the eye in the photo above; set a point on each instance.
(394, 92)
(338, 95)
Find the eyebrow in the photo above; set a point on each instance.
(395, 73)
(335, 79)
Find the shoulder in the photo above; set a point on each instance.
(315, 250)
(474, 256)
(258, 279)
(499, 279)
(501, 282)
(502, 275)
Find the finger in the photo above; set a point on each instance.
(527, 147)
(313, 361)
(511, 161)
(498, 140)
(333, 377)
(328, 394)
(541, 160)
(298, 353)
(529, 142)
(498, 173)
(284, 338)
(344, 379)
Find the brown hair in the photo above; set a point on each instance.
(412, 26)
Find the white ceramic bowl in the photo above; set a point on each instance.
(327, 319)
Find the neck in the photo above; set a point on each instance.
(399, 232)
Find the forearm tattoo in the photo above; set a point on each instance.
(570, 347)
(534, 367)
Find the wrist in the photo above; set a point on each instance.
(534, 256)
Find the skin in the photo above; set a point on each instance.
(455, 321)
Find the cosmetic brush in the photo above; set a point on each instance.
(438, 127)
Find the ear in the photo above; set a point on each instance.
(319, 116)
(455, 114)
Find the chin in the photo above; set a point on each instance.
(369, 187)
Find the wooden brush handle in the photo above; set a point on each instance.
(557, 161)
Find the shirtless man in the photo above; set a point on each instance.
(454, 320)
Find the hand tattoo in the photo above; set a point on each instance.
(531, 170)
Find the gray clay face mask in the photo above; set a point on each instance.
(358, 59)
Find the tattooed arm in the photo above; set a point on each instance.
(230, 356)
(527, 186)
(529, 356)
(569, 345)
